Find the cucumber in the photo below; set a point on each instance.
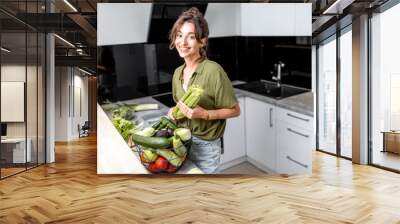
(152, 142)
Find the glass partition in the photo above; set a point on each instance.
(385, 89)
(31, 99)
(13, 95)
(346, 93)
(41, 91)
(327, 96)
(22, 64)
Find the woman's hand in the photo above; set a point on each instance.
(170, 114)
(197, 112)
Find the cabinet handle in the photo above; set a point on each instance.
(222, 145)
(298, 133)
(297, 162)
(270, 117)
(294, 116)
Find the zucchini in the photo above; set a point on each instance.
(152, 142)
(168, 123)
(179, 149)
(170, 156)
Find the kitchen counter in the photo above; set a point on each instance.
(114, 156)
(301, 103)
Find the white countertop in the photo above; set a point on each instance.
(113, 154)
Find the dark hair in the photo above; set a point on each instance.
(194, 16)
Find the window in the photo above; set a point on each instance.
(327, 95)
(385, 89)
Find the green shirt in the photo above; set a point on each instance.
(218, 93)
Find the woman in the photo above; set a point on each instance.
(189, 36)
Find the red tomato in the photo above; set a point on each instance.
(171, 168)
(161, 163)
(153, 168)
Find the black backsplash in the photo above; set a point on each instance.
(137, 70)
(253, 58)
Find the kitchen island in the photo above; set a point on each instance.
(114, 156)
(260, 135)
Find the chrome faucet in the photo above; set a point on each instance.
(278, 78)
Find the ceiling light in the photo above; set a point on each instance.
(5, 50)
(84, 71)
(70, 5)
(64, 40)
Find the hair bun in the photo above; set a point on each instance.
(195, 12)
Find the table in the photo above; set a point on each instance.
(391, 141)
(13, 150)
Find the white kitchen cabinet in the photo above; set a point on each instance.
(303, 19)
(217, 15)
(255, 19)
(112, 28)
(234, 139)
(260, 134)
(268, 19)
(262, 19)
(294, 142)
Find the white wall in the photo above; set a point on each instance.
(61, 103)
(14, 73)
(122, 23)
(17, 72)
(33, 126)
(71, 94)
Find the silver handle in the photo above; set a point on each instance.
(298, 133)
(270, 117)
(297, 162)
(294, 116)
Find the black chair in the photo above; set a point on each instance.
(84, 130)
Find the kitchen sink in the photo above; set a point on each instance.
(270, 89)
(165, 99)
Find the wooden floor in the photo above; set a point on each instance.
(70, 191)
(386, 159)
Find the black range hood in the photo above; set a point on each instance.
(163, 17)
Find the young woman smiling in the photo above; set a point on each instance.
(207, 121)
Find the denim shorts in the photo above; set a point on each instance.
(205, 155)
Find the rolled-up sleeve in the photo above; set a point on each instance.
(224, 94)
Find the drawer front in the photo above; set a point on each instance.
(294, 149)
(295, 118)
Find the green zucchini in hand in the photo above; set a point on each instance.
(152, 142)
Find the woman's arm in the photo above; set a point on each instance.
(224, 113)
(199, 112)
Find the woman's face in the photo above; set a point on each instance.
(186, 43)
